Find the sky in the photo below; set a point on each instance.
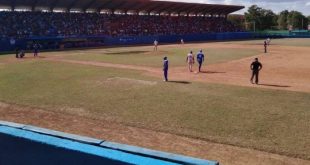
(275, 5)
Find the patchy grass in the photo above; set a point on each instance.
(269, 120)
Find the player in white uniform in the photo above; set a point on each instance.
(155, 45)
(190, 59)
(182, 41)
(268, 41)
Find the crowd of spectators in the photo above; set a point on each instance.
(28, 24)
(168, 25)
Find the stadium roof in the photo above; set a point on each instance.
(125, 5)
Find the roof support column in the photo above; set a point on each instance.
(73, 3)
(88, 5)
(34, 4)
(54, 3)
(13, 3)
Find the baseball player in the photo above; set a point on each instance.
(36, 49)
(200, 59)
(182, 41)
(265, 46)
(22, 54)
(155, 45)
(190, 59)
(17, 52)
(268, 41)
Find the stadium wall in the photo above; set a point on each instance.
(283, 34)
(177, 38)
(87, 41)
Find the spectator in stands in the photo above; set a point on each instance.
(29, 24)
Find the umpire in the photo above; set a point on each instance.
(256, 66)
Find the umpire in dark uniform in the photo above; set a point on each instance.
(256, 66)
(17, 50)
(165, 68)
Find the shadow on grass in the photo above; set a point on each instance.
(40, 57)
(275, 85)
(31, 57)
(211, 72)
(126, 52)
(180, 82)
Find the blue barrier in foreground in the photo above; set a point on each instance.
(23, 144)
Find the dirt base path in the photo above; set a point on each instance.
(225, 154)
(284, 68)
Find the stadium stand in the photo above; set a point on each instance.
(29, 24)
(99, 21)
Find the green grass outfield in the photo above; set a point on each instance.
(269, 120)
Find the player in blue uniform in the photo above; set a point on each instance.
(265, 46)
(200, 59)
(165, 68)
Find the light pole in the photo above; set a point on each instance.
(254, 24)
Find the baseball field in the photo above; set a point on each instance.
(118, 94)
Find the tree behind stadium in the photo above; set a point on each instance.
(261, 18)
(297, 20)
(282, 20)
(267, 19)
